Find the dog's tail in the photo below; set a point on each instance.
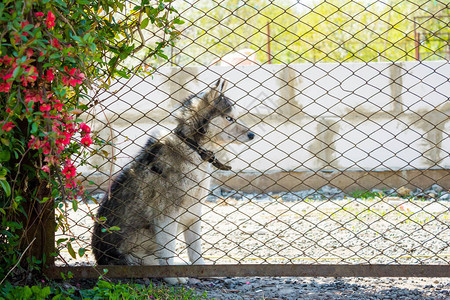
(105, 243)
(109, 256)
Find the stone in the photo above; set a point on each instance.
(437, 188)
(445, 197)
(403, 191)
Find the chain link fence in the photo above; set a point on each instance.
(349, 101)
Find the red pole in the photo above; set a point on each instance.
(417, 45)
(269, 56)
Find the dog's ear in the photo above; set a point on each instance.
(218, 89)
(222, 85)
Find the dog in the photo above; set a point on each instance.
(160, 193)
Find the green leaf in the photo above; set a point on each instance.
(144, 23)
(26, 292)
(45, 199)
(114, 228)
(45, 292)
(59, 241)
(81, 251)
(57, 297)
(76, 38)
(6, 187)
(17, 72)
(28, 27)
(5, 155)
(36, 289)
(123, 74)
(75, 205)
(178, 21)
(60, 2)
(113, 61)
(104, 284)
(71, 251)
(5, 142)
(161, 54)
(34, 127)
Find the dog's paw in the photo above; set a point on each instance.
(176, 280)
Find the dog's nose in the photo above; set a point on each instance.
(251, 135)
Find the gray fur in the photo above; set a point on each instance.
(159, 195)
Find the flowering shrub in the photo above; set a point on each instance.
(51, 50)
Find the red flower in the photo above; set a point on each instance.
(49, 76)
(46, 148)
(32, 96)
(80, 189)
(39, 14)
(17, 38)
(8, 76)
(85, 128)
(69, 185)
(4, 87)
(34, 143)
(52, 160)
(30, 76)
(50, 22)
(64, 138)
(5, 60)
(45, 107)
(46, 169)
(29, 52)
(86, 140)
(8, 126)
(75, 77)
(58, 105)
(69, 170)
(55, 43)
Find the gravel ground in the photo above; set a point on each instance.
(324, 226)
(323, 288)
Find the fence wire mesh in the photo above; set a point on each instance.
(349, 102)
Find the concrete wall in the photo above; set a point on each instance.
(323, 117)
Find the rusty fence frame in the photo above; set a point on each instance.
(249, 270)
(47, 238)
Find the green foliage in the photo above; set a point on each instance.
(361, 194)
(52, 52)
(9, 292)
(314, 31)
(102, 290)
(107, 290)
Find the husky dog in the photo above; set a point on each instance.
(159, 195)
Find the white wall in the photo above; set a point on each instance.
(351, 116)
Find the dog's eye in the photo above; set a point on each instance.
(229, 118)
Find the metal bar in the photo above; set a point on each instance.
(432, 17)
(416, 40)
(245, 270)
(269, 54)
(346, 180)
(417, 45)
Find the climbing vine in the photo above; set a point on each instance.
(53, 52)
